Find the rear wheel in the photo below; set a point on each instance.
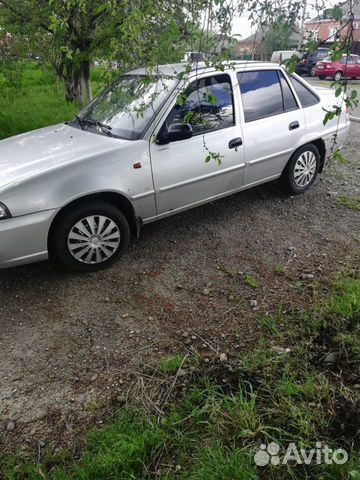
(91, 237)
(338, 76)
(312, 71)
(322, 77)
(302, 169)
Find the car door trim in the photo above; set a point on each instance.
(143, 195)
(269, 157)
(199, 179)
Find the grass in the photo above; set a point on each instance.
(171, 364)
(353, 203)
(251, 281)
(280, 269)
(35, 103)
(214, 429)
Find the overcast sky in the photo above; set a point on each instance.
(242, 26)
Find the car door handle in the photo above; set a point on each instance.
(294, 125)
(235, 142)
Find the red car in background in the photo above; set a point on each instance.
(348, 66)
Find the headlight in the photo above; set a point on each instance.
(4, 212)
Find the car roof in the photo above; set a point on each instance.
(198, 67)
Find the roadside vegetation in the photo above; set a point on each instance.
(299, 383)
(353, 203)
(35, 101)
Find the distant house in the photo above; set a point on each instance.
(248, 48)
(326, 27)
(254, 47)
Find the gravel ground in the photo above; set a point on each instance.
(71, 345)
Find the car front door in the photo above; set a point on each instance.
(210, 163)
(273, 123)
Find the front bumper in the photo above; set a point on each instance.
(24, 239)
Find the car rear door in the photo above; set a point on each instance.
(357, 66)
(352, 67)
(211, 162)
(273, 123)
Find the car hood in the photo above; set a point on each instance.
(38, 151)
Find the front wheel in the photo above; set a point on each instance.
(302, 169)
(338, 76)
(322, 77)
(90, 237)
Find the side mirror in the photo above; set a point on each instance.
(179, 131)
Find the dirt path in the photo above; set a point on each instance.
(71, 344)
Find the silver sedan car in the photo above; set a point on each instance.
(154, 145)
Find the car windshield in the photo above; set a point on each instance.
(126, 108)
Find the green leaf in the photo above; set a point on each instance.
(212, 99)
(101, 9)
(354, 475)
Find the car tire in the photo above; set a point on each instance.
(312, 72)
(90, 237)
(322, 77)
(301, 169)
(338, 76)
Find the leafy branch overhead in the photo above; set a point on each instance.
(70, 35)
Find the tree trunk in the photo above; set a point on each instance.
(73, 87)
(87, 79)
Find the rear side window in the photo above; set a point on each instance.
(322, 54)
(307, 98)
(346, 60)
(263, 95)
(288, 96)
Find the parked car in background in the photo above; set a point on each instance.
(307, 64)
(194, 57)
(347, 67)
(281, 55)
(79, 191)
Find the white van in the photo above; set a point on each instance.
(281, 55)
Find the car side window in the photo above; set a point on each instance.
(347, 60)
(263, 95)
(288, 96)
(207, 104)
(306, 97)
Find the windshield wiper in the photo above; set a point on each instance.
(96, 123)
(79, 122)
(102, 125)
